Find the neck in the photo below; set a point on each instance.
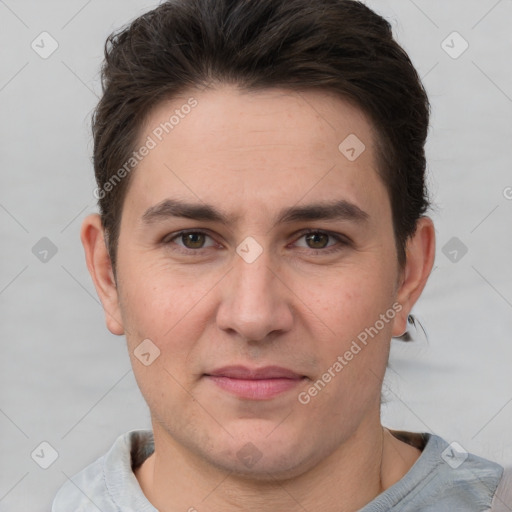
(370, 461)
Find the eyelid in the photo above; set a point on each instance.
(337, 236)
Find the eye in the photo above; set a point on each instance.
(320, 243)
(191, 240)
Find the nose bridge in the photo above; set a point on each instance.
(253, 273)
(253, 277)
(254, 301)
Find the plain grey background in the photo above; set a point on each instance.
(65, 380)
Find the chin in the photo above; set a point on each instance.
(280, 466)
(263, 457)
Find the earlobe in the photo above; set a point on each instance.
(100, 267)
(420, 254)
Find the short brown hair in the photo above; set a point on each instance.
(340, 46)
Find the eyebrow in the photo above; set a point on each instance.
(334, 210)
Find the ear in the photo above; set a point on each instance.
(100, 268)
(420, 253)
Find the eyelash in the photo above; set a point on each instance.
(343, 242)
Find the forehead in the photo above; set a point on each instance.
(257, 149)
(270, 118)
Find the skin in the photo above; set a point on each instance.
(251, 155)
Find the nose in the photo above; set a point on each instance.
(255, 302)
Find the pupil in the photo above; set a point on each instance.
(313, 237)
(194, 239)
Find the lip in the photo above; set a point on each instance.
(266, 372)
(255, 383)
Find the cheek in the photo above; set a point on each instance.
(354, 352)
(353, 299)
(159, 306)
(172, 311)
(156, 301)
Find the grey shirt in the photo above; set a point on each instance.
(442, 479)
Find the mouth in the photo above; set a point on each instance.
(255, 384)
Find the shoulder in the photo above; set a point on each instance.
(108, 484)
(460, 478)
(444, 478)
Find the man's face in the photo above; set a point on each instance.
(255, 290)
